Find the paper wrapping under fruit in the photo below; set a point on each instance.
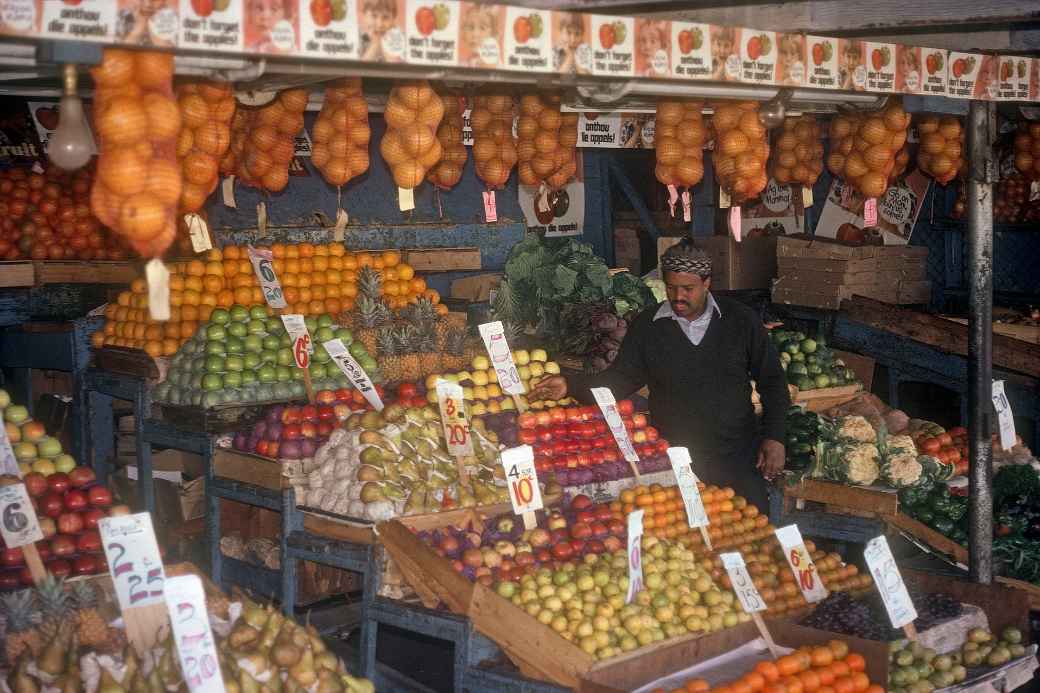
(866, 148)
(410, 146)
(137, 122)
(940, 153)
(341, 133)
(797, 152)
(263, 141)
(679, 138)
(207, 109)
(494, 146)
(448, 171)
(546, 141)
(741, 149)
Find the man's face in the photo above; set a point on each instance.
(687, 293)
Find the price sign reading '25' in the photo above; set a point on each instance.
(133, 558)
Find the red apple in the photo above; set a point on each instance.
(595, 546)
(342, 395)
(291, 431)
(8, 580)
(603, 513)
(35, 484)
(617, 527)
(325, 397)
(291, 415)
(74, 500)
(91, 517)
(539, 537)
(262, 448)
(625, 407)
(81, 476)
(343, 411)
(578, 546)
(543, 555)
(585, 516)
(527, 420)
(51, 505)
(639, 420)
(309, 412)
(11, 557)
(558, 535)
(562, 551)
(473, 558)
(525, 558)
(70, 523)
(612, 544)
(63, 545)
(99, 496)
(581, 530)
(48, 526)
(458, 566)
(58, 482)
(89, 542)
(85, 565)
(308, 429)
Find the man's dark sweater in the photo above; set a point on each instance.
(700, 395)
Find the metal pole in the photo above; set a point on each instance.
(981, 134)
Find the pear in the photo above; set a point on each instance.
(243, 634)
(271, 629)
(328, 660)
(358, 685)
(52, 659)
(107, 684)
(19, 679)
(247, 683)
(303, 671)
(328, 682)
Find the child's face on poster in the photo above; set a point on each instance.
(264, 14)
(378, 19)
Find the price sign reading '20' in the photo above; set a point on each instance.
(133, 558)
(453, 417)
(522, 479)
(186, 604)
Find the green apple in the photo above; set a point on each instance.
(258, 312)
(43, 466)
(16, 414)
(220, 316)
(25, 451)
(5, 399)
(48, 447)
(239, 313)
(64, 463)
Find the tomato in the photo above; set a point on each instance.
(406, 390)
(931, 445)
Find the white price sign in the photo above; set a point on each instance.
(522, 479)
(263, 266)
(682, 466)
(18, 523)
(186, 604)
(608, 405)
(805, 573)
(454, 419)
(889, 581)
(1005, 417)
(133, 559)
(301, 339)
(8, 462)
(342, 358)
(743, 586)
(494, 337)
(635, 554)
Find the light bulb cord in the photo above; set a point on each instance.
(70, 78)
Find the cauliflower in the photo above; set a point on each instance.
(903, 470)
(901, 446)
(856, 428)
(862, 463)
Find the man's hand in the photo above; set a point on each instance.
(770, 459)
(550, 387)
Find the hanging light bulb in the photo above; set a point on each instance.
(72, 144)
(772, 112)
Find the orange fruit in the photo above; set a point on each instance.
(769, 671)
(844, 684)
(232, 252)
(405, 272)
(860, 681)
(856, 662)
(810, 680)
(391, 258)
(196, 268)
(840, 648)
(789, 665)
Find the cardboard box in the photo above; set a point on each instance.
(750, 264)
(476, 288)
(826, 249)
(178, 498)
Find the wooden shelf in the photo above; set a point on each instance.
(26, 273)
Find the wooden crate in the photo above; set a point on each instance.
(442, 259)
(17, 273)
(1023, 333)
(127, 361)
(827, 397)
(924, 533)
(249, 469)
(79, 272)
(837, 497)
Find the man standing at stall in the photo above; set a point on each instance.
(698, 354)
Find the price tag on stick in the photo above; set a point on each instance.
(490, 208)
(133, 559)
(263, 266)
(8, 462)
(682, 467)
(454, 420)
(870, 211)
(196, 649)
(1005, 417)
(18, 523)
(750, 599)
(801, 563)
(522, 481)
(608, 405)
(889, 581)
(353, 370)
(497, 346)
(635, 554)
(302, 348)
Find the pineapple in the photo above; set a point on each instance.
(429, 355)
(455, 351)
(91, 628)
(21, 635)
(55, 605)
(389, 355)
(370, 283)
(410, 340)
(372, 314)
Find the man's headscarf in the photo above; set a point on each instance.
(685, 257)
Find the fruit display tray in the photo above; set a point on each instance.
(223, 418)
(824, 398)
(842, 498)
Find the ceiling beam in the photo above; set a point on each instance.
(830, 17)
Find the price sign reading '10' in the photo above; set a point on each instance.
(453, 418)
(133, 558)
(522, 479)
(186, 604)
(805, 573)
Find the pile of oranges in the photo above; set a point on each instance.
(315, 279)
(829, 668)
(733, 521)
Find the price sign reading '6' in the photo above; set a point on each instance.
(805, 573)
(889, 582)
(263, 266)
(18, 523)
(497, 346)
(133, 558)
(301, 339)
(453, 417)
(743, 586)
(186, 604)
(522, 479)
